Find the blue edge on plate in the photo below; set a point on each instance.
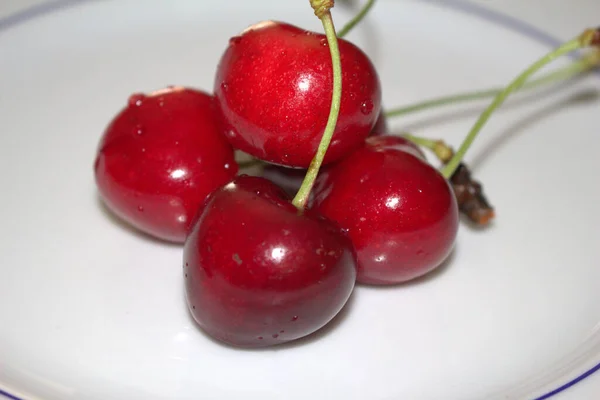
(459, 5)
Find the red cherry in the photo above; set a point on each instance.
(273, 89)
(160, 157)
(258, 273)
(399, 211)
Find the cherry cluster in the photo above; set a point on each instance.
(260, 267)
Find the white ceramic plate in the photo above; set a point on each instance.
(91, 310)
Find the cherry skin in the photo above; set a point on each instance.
(398, 210)
(273, 89)
(258, 273)
(160, 157)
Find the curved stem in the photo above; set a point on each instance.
(586, 63)
(568, 47)
(357, 18)
(303, 194)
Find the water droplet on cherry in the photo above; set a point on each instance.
(366, 107)
(294, 318)
(275, 336)
(138, 130)
(136, 99)
(140, 208)
(224, 86)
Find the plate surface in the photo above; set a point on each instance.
(92, 310)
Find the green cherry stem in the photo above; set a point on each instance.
(442, 151)
(589, 37)
(323, 13)
(586, 63)
(357, 18)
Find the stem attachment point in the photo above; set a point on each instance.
(590, 37)
(321, 7)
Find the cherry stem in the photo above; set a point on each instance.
(442, 151)
(303, 194)
(357, 18)
(586, 63)
(581, 41)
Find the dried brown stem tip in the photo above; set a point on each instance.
(470, 198)
(321, 7)
(591, 37)
(596, 38)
